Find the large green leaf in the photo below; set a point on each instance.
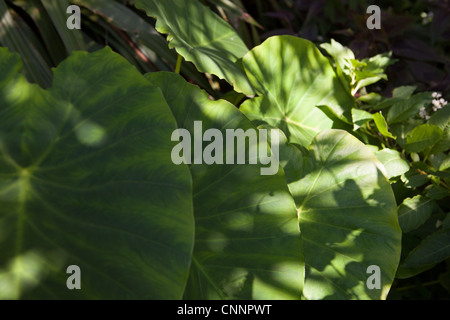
(86, 179)
(348, 219)
(294, 78)
(149, 41)
(202, 37)
(247, 242)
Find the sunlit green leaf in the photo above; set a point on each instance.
(360, 118)
(292, 87)
(423, 137)
(392, 161)
(381, 124)
(247, 242)
(348, 219)
(405, 109)
(202, 37)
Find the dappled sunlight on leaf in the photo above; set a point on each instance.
(91, 134)
(294, 79)
(348, 219)
(25, 272)
(85, 169)
(247, 239)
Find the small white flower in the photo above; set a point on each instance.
(438, 102)
(436, 95)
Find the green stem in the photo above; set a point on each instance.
(178, 67)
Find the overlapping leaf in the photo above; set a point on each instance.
(348, 219)
(392, 161)
(202, 37)
(294, 78)
(86, 179)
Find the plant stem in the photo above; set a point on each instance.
(179, 61)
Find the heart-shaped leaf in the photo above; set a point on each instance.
(247, 239)
(294, 78)
(348, 220)
(86, 179)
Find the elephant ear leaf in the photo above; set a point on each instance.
(247, 242)
(299, 90)
(201, 37)
(86, 179)
(348, 220)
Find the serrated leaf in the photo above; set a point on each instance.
(443, 145)
(441, 118)
(405, 109)
(423, 137)
(373, 70)
(379, 63)
(86, 179)
(342, 55)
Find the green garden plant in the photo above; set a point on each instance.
(87, 179)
